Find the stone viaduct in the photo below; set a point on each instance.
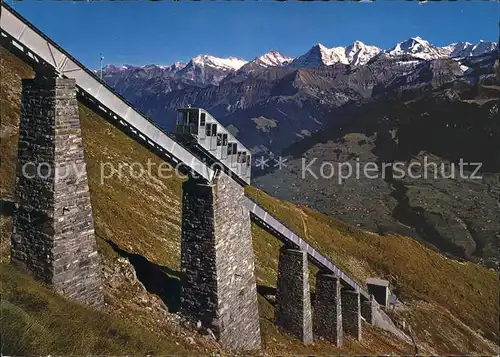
(53, 235)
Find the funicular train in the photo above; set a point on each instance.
(197, 126)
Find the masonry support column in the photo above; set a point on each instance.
(217, 262)
(293, 298)
(327, 317)
(351, 313)
(53, 230)
(367, 309)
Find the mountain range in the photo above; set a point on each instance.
(356, 54)
(278, 100)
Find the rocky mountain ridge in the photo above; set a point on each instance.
(319, 55)
(275, 101)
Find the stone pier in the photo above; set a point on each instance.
(367, 309)
(293, 299)
(351, 313)
(327, 317)
(217, 262)
(53, 229)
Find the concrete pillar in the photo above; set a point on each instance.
(53, 230)
(293, 298)
(217, 262)
(327, 317)
(367, 309)
(351, 313)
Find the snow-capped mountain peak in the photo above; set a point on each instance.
(418, 48)
(334, 55)
(456, 49)
(205, 70)
(149, 67)
(111, 68)
(356, 54)
(483, 47)
(359, 54)
(319, 55)
(269, 59)
(321, 47)
(272, 58)
(230, 63)
(327, 56)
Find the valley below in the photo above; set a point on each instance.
(450, 210)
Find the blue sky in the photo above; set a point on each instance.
(143, 32)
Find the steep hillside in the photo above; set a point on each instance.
(451, 307)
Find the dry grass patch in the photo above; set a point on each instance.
(35, 321)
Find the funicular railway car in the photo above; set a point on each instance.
(198, 127)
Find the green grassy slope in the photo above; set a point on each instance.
(35, 321)
(142, 216)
